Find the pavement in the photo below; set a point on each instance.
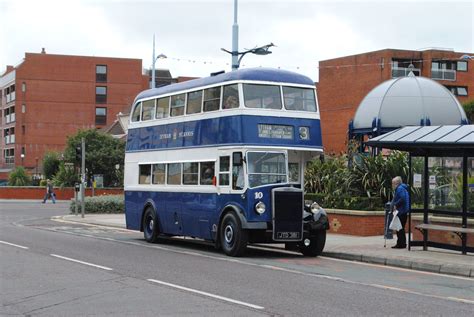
(353, 248)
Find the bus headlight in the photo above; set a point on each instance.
(315, 207)
(260, 208)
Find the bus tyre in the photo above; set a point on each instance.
(315, 246)
(150, 225)
(233, 238)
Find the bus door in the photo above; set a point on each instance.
(230, 178)
(295, 167)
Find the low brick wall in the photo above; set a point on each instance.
(31, 192)
(356, 222)
(442, 236)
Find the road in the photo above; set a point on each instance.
(53, 268)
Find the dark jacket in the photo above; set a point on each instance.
(401, 199)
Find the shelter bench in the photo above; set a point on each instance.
(459, 231)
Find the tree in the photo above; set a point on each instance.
(50, 164)
(19, 177)
(103, 153)
(469, 109)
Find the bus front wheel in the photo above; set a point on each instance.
(316, 244)
(233, 238)
(150, 225)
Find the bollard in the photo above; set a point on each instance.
(388, 218)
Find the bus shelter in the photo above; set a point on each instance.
(441, 182)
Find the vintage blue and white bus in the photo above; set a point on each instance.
(222, 159)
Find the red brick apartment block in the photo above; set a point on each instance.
(49, 97)
(345, 81)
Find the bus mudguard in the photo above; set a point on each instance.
(240, 213)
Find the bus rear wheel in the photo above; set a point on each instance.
(233, 238)
(150, 225)
(316, 244)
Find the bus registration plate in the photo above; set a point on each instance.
(288, 235)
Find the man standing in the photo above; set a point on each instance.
(400, 202)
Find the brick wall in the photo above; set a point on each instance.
(61, 194)
(355, 222)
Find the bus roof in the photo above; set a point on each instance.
(259, 74)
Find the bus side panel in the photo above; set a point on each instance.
(133, 209)
(197, 210)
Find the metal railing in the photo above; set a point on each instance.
(404, 71)
(443, 74)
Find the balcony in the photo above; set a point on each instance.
(9, 160)
(443, 74)
(404, 71)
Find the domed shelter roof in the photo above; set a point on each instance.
(407, 101)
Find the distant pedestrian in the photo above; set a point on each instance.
(401, 203)
(49, 192)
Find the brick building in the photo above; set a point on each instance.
(48, 97)
(345, 81)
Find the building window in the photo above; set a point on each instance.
(101, 73)
(23, 129)
(100, 116)
(100, 94)
(458, 90)
(461, 66)
(23, 87)
(23, 108)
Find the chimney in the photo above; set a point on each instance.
(43, 51)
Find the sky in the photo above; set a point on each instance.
(192, 33)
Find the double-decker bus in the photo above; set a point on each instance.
(222, 159)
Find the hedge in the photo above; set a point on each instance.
(105, 204)
(347, 202)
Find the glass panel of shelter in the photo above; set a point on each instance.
(470, 184)
(445, 183)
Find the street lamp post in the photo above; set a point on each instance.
(22, 159)
(262, 50)
(153, 64)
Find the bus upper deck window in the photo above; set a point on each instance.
(194, 102)
(212, 99)
(148, 110)
(300, 99)
(163, 108)
(177, 105)
(262, 96)
(230, 97)
(136, 112)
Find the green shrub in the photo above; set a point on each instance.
(346, 202)
(105, 204)
(65, 177)
(19, 177)
(43, 183)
